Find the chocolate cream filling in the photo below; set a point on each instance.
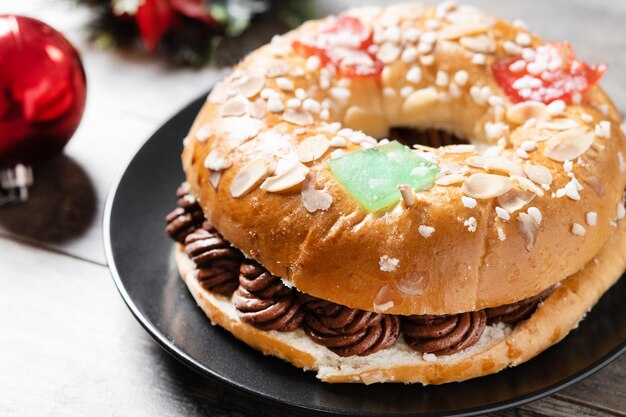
(264, 302)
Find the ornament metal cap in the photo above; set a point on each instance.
(14, 183)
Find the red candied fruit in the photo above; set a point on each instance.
(344, 43)
(548, 73)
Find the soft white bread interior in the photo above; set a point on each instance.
(499, 347)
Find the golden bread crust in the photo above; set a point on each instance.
(335, 253)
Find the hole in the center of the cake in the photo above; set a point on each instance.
(433, 138)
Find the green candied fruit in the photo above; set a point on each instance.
(373, 175)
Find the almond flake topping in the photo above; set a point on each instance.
(535, 214)
(293, 174)
(214, 178)
(621, 210)
(526, 184)
(215, 161)
(485, 186)
(569, 144)
(450, 179)
(453, 32)
(527, 226)
(538, 174)
(248, 86)
(312, 148)
(237, 130)
(234, 107)
(249, 176)
(298, 117)
(479, 43)
(521, 112)
(408, 196)
(514, 200)
(476, 161)
(502, 165)
(558, 124)
(419, 100)
(459, 149)
(314, 200)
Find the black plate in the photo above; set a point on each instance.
(141, 260)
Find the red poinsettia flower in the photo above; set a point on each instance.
(156, 17)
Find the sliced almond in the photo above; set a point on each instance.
(465, 14)
(454, 168)
(298, 117)
(539, 174)
(257, 109)
(406, 191)
(359, 118)
(502, 164)
(420, 100)
(521, 112)
(450, 179)
(483, 44)
(292, 176)
(249, 176)
(476, 161)
(314, 200)
(558, 124)
(237, 130)
(528, 227)
(248, 86)
(233, 107)
(515, 199)
(485, 186)
(313, 148)
(216, 161)
(214, 178)
(452, 32)
(596, 184)
(219, 94)
(526, 184)
(453, 149)
(569, 144)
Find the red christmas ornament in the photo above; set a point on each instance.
(42, 96)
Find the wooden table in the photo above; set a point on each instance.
(68, 345)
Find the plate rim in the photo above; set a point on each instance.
(187, 360)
